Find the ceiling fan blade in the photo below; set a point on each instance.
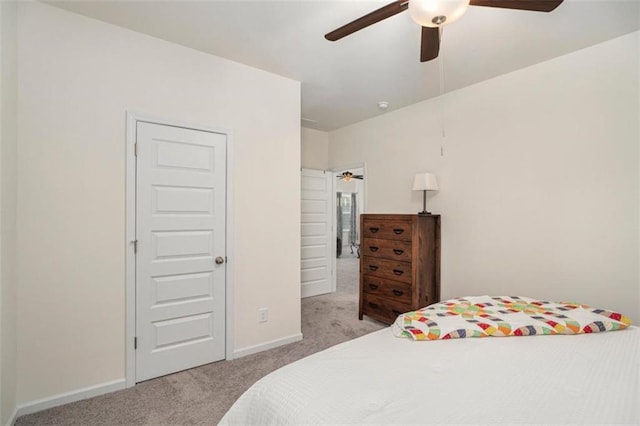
(534, 5)
(430, 45)
(368, 19)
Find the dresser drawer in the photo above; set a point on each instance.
(386, 249)
(383, 309)
(396, 271)
(387, 229)
(398, 291)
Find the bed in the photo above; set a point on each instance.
(551, 373)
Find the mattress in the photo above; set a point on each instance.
(382, 379)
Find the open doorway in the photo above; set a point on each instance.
(350, 184)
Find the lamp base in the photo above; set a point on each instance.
(424, 211)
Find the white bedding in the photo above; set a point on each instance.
(381, 379)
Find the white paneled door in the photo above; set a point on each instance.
(180, 259)
(317, 249)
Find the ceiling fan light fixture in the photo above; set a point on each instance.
(434, 13)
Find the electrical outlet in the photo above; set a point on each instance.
(263, 315)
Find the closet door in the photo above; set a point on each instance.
(180, 261)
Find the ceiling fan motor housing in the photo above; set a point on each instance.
(434, 13)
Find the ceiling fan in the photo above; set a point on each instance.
(432, 14)
(347, 176)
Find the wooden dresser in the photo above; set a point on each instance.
(400, 264)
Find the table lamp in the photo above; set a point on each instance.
(425, 182)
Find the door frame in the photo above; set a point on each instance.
(132, 120)
(363, 208)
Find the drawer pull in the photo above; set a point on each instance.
(398, 271)
(373, 305)
(373, 248)
(398, 231)
(374, 230)
(373, 286)
(396, 312)
(373, 267)
(398, 292)
(398, 251)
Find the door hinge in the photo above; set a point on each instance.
(135, 246)
(135, 149)
(135, 343)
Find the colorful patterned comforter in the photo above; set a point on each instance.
(500, 316)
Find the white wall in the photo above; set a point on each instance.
(539, 178)
(8, 203)
(315, 149)
(78, 77)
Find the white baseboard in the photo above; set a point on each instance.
(91, 391)
(68, 397)
(239, 353)
(13, 417)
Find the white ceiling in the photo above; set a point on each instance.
(343, 81)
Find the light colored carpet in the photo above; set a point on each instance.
(203, 395)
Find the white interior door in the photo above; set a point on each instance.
(317, 254)
(180, 229)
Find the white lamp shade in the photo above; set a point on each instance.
(430, 13)
(425, 182)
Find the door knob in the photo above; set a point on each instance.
(219, 260)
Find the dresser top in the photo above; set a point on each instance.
(398, 215)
